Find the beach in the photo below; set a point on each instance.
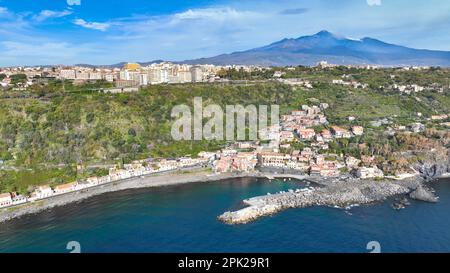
(192, 175)
(338, 192)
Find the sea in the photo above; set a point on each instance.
(183, 218)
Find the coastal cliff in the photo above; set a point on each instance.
(433, 170)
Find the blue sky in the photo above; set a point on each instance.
(34, 32)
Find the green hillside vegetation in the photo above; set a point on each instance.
(49, 129)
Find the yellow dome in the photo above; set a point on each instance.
(132, 66)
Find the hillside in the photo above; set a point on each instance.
(45, 132)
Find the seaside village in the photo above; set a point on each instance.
(241, 157)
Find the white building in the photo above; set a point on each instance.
(197, 74)
(365, 172)
(271, 159)
(65, 188)
(158, 75)
(68, 74)
(43, 192)
(143, 79)
(109, 77)
(95, 76)
(82, 75)
(5, 200)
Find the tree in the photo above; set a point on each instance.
(132, 132)
(90, 117)
(18, 78)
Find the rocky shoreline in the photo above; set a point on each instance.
(423, 193)
(334, 192)
(434, 168)
(339, 193)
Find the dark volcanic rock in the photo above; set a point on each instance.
(423, 194)
(433, 169)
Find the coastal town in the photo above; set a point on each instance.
(302, 143)
(246, 157)
(128, 77)
(125, 78)
(135, 169)
(210, 134)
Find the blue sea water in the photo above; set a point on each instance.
(184, 219)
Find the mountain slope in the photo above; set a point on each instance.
(308, 50)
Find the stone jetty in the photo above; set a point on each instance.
(341, 194)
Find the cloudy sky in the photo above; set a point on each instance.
(34, 32)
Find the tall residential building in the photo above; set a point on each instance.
(109, 77)
(197, 74)
(143, 79)
(185, 76)
(68, 74)
(82, 75)
(95, 76)
(158, 75)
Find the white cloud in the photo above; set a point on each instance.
(74, 2)
(220, 30)
(12, 24)
(3, 10)
(42, 52)
(211, 13)
(92, 25)
(46, 14)
(374, 2)
(206, 16)
(213, 30)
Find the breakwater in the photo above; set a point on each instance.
(334, 193)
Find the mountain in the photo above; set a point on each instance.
(325, 46)
(118, 65)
